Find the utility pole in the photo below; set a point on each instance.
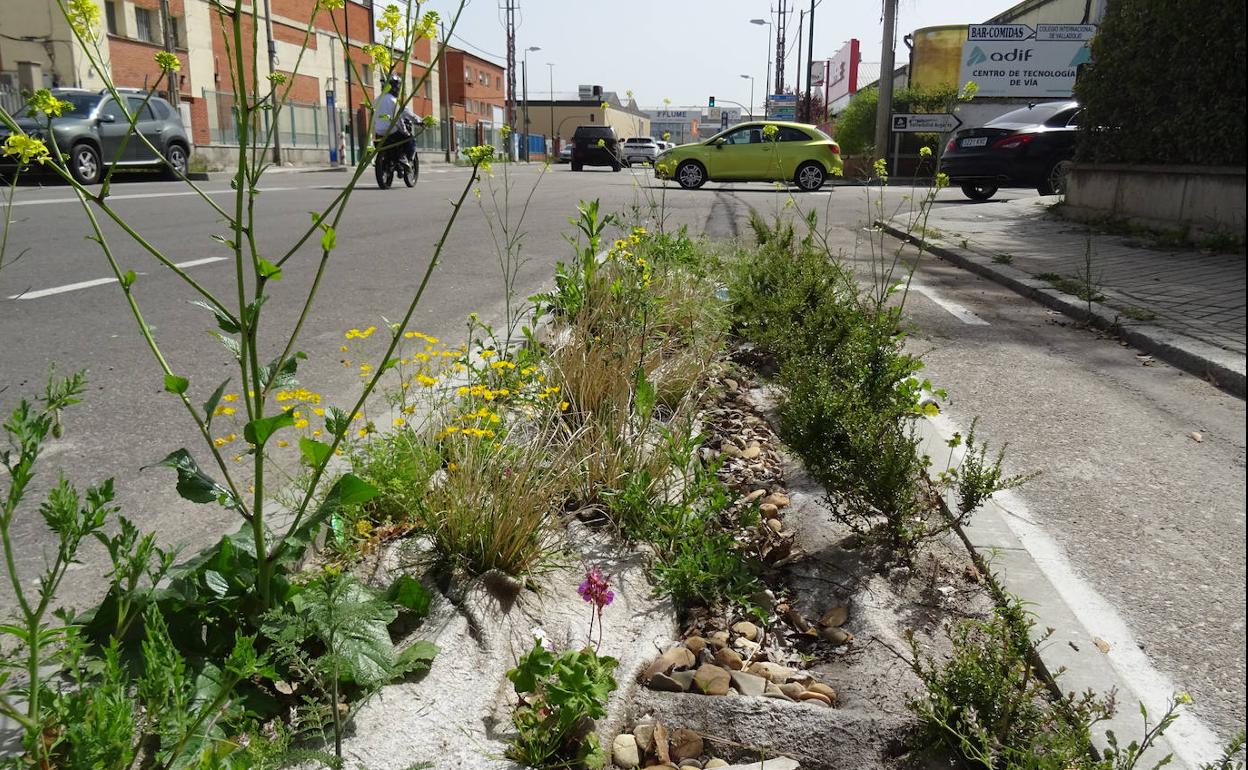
(346, 34)
(510, 6)
(782, 15)
(277, 115)
(551, 148)
(883, 111)
(797, 83)
(524, 99)
(167, 35)
(810, 63)
(449, 120)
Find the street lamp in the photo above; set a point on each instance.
(751, 79)
(767, 79)
(524, 76)
(551, 147)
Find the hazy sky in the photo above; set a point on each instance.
(683, 50)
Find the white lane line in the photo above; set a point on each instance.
(136, 196)
(1190, 738)
(101, 281)
(956, 310)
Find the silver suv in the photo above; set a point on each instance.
(91, 131)
(642, 148)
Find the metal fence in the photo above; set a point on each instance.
(298, 124)
(11, 100)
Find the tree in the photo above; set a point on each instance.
(855, 126)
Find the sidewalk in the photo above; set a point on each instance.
(1184, 306)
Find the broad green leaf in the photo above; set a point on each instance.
(314, 452)
(269, 270)
(210, 405)
(353, 490)
(224, 322)
(410, 594)
(347, 490)
(230, 344)
(416, 658)
(258, 431)
(282, 374)
(336, 421)
(176, 384)
(194, 484)
(329, 239)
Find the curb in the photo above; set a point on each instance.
(1223, 369)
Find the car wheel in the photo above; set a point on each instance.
(84, 164)
(1054, 182)
(175, 158)
(979, 192)
(691, 175)
(810, 176)
(577, 166)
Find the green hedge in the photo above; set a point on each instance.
(1166, 84)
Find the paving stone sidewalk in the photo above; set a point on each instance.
(1186, 293)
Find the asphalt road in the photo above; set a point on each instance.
(1149, 517)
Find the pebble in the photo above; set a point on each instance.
(664, 683)
(773, 690)
(729, 659)
(695, 644)
(749, 684)
(835, 635)
(778, 499)
(793, 690)
(644, 735)
(751, 497)
(684, 679)
(835, 616)
(718, 639)
(768, 511)
(730, 450)
(772, 671)
(714, 762)
(685, 744)
(691, 763)
(748, 649)
(751, 453)
(624, 751)
(776, 525)
(747, 629)
(730, 384)
(712, 680)
(677, 657)
(824, 690)
(815, 697)
(660, 744)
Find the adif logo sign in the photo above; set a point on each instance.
(1016, 55)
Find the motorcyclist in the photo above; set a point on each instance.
(386, 112)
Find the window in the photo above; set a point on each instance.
(749, 135)
(428, 89)
(467, 74)
(788, 134)
(498, 81)
(175, 37)
(110, 16)
(137, 107)
(143, 25)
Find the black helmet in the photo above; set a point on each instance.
(394, 84)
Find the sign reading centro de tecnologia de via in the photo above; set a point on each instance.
(1017, 60)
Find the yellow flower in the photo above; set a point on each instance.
(230, 397)
(84, 17)
(925, 152)
(563, 406)
(362, 432)
(399, 422)
(331, 5)
(226, 410)
(452, 467)
(318, 411)
(301, 424)
(283, 443)
(25, 148)
(43, 101)
(426, 380)
(363, 528)
(480, 156)
(770, 131)
(488, 353)
(168, 62)
(502, 365)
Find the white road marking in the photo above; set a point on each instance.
(1190, 738)
(101, 281)
(956, 310)
(136, 196)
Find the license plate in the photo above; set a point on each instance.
(978, 141)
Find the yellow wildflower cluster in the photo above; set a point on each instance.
(356, 334)
(84, 18)
(25, 149)
(42, 101)
(298, 394)
(428, 26)
(167, 61)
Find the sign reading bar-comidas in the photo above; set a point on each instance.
(1043, 64)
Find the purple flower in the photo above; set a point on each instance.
(596, 588)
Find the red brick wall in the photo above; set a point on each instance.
(464, 87)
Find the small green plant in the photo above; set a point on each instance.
(977, 478)
(1229, 759)
(559, 696)
(1000, 259)
(1139, 314)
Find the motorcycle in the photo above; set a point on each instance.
(390, 159)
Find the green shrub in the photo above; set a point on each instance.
(855, 126)
(1128, 119)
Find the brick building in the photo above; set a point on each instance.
(477, 90)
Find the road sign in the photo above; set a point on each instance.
(923, 122)
(782, 106)
(999, 33)
(1033, 68)
(1065, 32)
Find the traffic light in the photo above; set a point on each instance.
(710, 102)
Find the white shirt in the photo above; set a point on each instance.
(384, 113)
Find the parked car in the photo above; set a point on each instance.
(641, 149)
(565, 152)
(596, 146)
(1029, 147)
(91, 132)
(797, 153)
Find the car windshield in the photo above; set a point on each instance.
(81, 105)
(1030, 116)
(639, 141)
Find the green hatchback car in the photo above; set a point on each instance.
(753, 152)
